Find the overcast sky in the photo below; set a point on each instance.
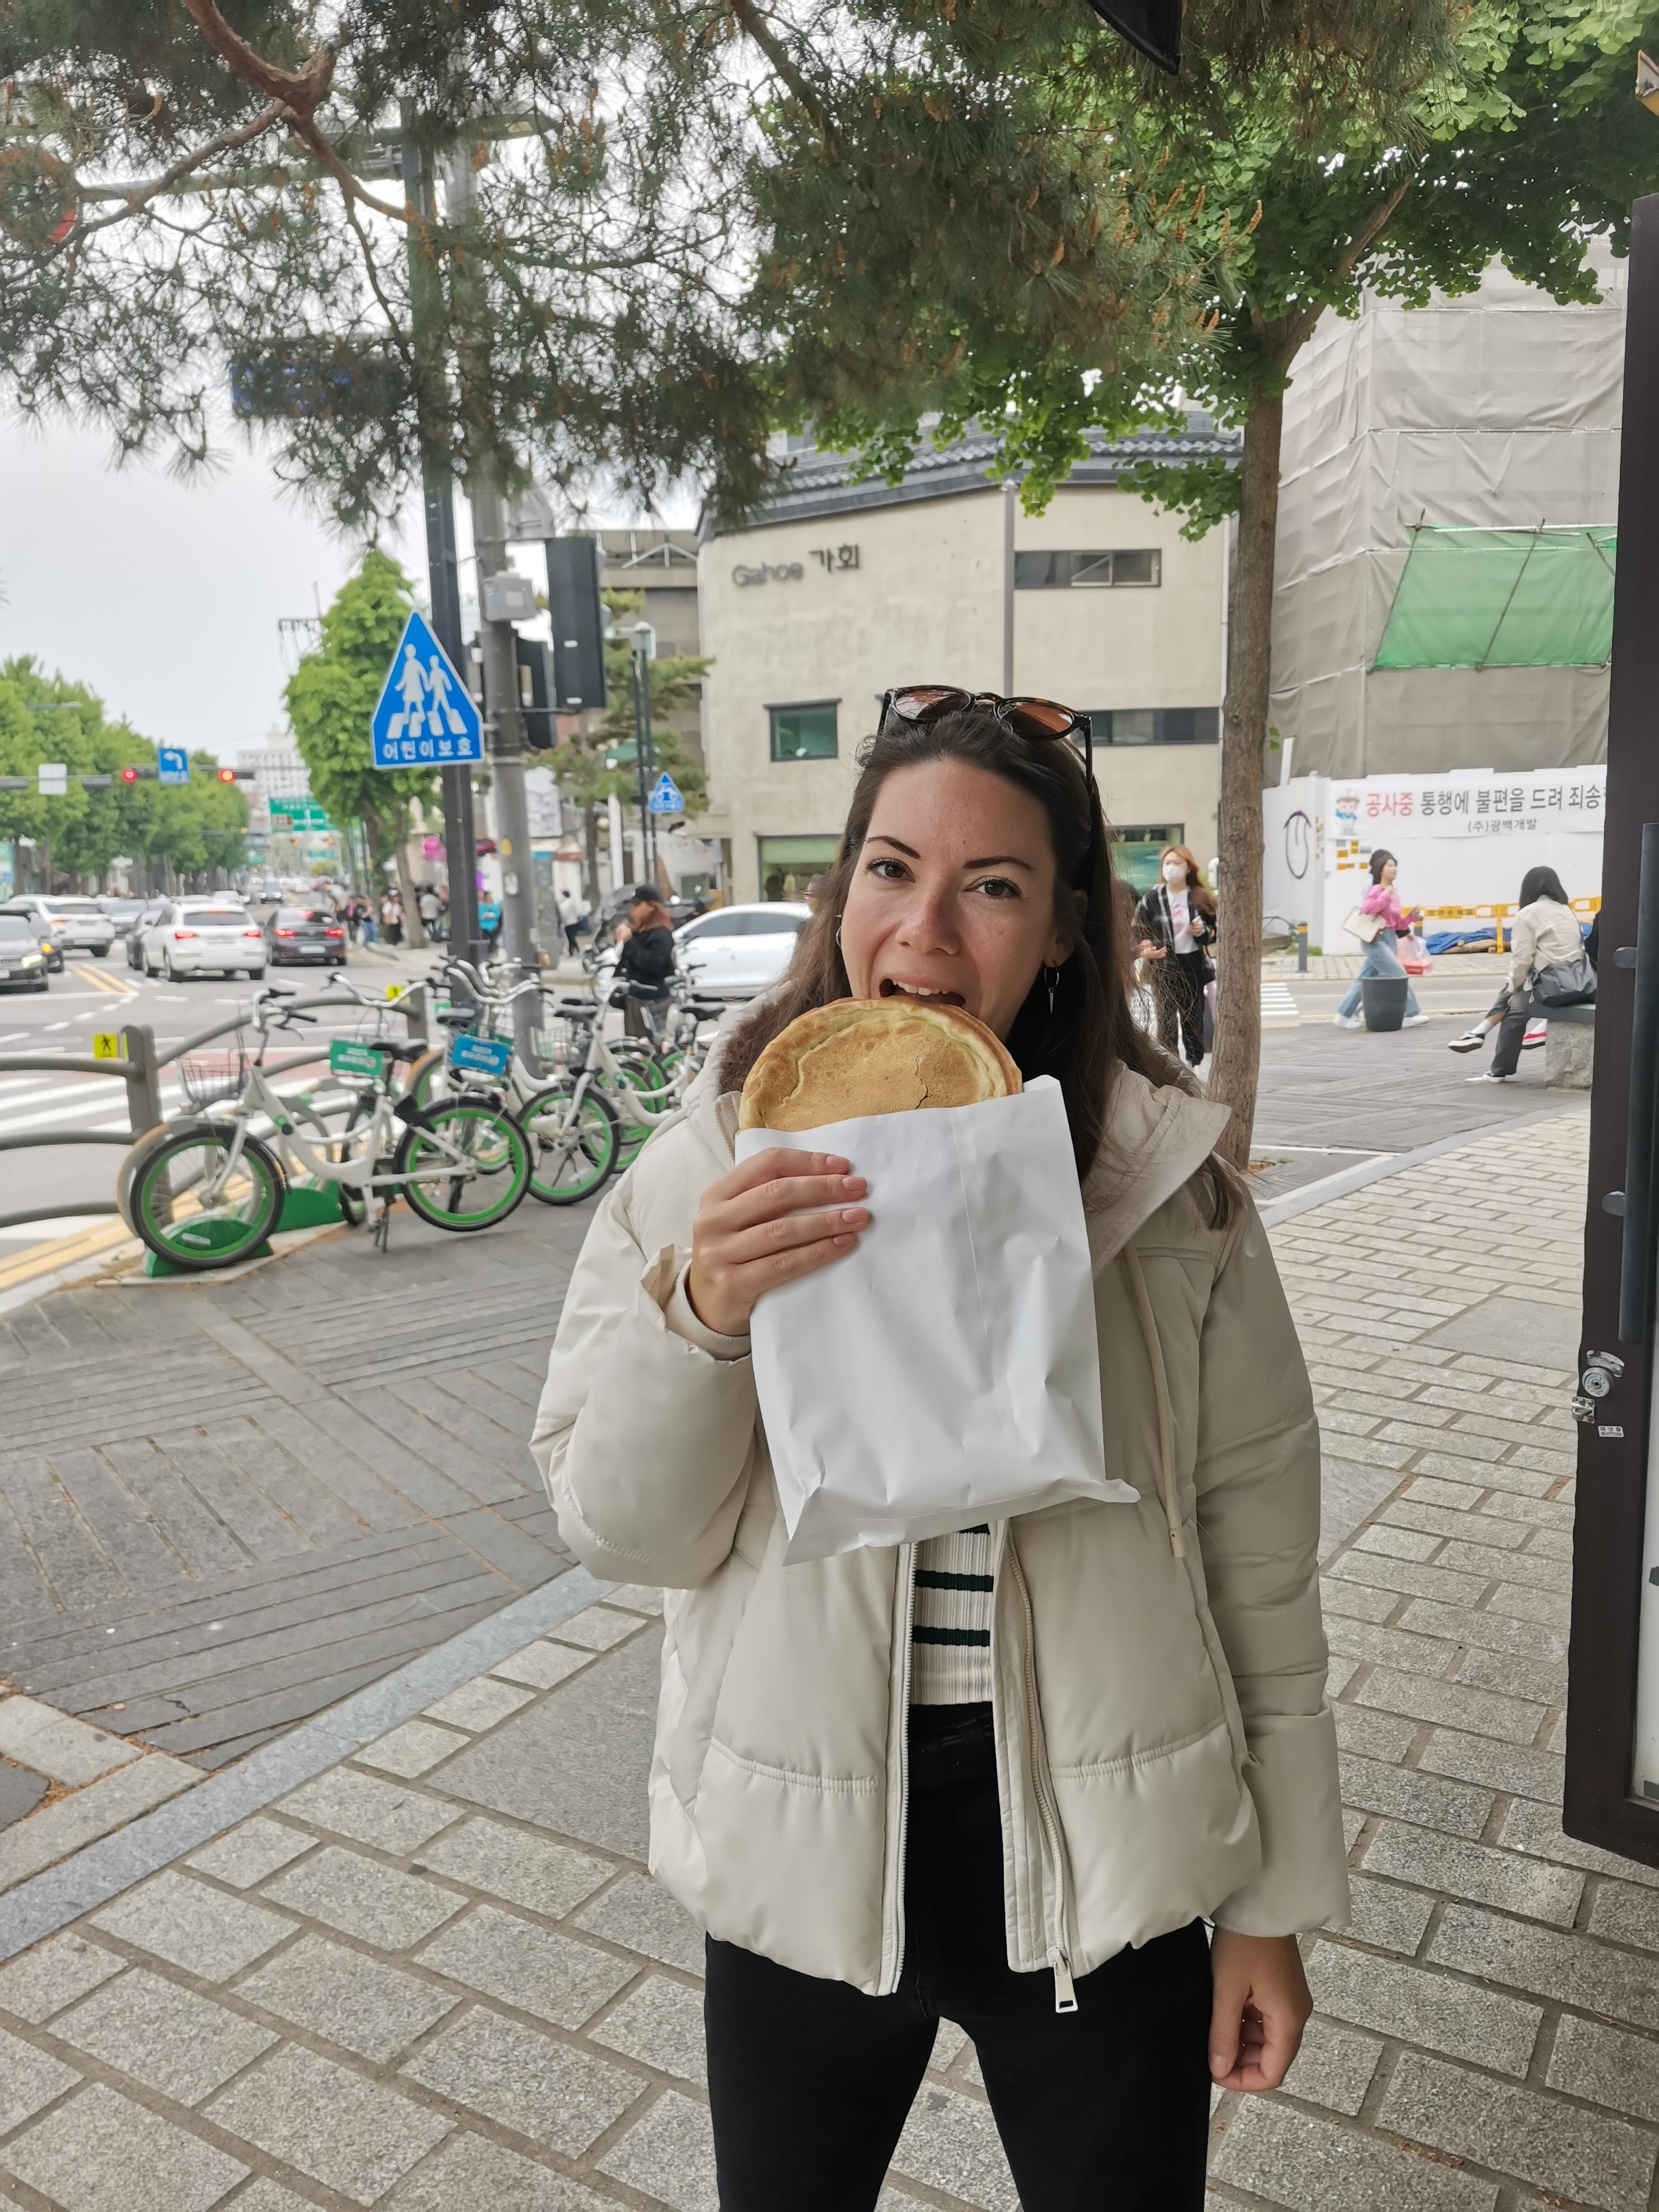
(164, 597)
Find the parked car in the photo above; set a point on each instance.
(77, 925)
(142, 920)
(737, 951)
(195, 936)
(44, 935)
(306, 935)
(23, 964)
(122, 912)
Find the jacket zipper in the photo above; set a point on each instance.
(906, 1614)
(1059, 1929)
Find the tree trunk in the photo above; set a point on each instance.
(590, 847)
(414, 931)
(1244, 735)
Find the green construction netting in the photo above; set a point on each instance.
(1503, 599)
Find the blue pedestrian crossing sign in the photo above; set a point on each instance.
(665, 796)
(425, 712)
(171, 764)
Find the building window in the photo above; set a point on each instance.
(803, 732)
(1156, 726)
(787, 865)
(1087, 572)
(1137, 848)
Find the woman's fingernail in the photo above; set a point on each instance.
(854, 1186)
(854, 1215)
(832, 1166)
(840, 1242)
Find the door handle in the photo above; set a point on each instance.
(1635, 1258)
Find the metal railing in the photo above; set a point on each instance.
(140, 1069)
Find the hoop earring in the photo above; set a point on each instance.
(1053, 974)
(838, 937)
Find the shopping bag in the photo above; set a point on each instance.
(1414, 954)
(947, 1371)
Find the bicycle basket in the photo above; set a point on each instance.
(208, 1079)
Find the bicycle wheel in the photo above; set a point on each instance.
(474, 1161)
(428, 1078)
(572, 1153)
(192, 1207)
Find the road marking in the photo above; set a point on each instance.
(1277, 1006)
(58, 1252)
(111, 986)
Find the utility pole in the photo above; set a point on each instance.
(460, 841)
(645, 639)
(503, 719)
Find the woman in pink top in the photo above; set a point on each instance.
(1381, 956)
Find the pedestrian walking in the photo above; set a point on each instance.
(1381, 907)
(1549, 965)
(392, 918)
(1175, 924)
(425, 905)
(366, 930)
(570, 917)
(1006, 1775)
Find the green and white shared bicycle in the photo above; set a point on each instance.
(208, 1193)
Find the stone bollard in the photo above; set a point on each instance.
(1569, 1048)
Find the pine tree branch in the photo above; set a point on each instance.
(140, 195)
(298, 92)
(748, 16)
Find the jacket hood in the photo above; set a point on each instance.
(1157, 1136)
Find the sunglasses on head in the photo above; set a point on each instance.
(1038, 721)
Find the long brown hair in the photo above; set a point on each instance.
(1091, 1034)
(1197, 890)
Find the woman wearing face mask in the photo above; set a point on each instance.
(1174, 924)
(1005, 1776)
(1381, 954)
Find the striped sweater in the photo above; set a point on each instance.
(950, 1631)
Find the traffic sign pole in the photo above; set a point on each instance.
(460, 838)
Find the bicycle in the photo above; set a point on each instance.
(208, 1193)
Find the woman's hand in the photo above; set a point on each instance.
(776, 1216)
(1261, 2007)
(1147, 950)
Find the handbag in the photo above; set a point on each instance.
(1565, 983)
(1367, 927)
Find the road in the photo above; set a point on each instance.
(91, 996)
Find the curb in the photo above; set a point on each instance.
(91, 1876)
(1392, 1164)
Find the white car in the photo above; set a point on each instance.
(737, 952)
(77, 924)
(192, 936)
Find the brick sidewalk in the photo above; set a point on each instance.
(437, 1978)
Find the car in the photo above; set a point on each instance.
(142, 920)
(23, 964)
(736, 952)
(45, 936)
(195, 936)
(306, 935)
(122, 912)
(76, 924)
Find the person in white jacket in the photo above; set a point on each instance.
(1004, 1777)
(1545, 933)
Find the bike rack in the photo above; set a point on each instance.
(141, 1069)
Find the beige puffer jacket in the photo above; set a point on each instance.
(1164, 1744)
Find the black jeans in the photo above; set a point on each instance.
(1179, 981)
(1102, 2109)
(1511, 1031)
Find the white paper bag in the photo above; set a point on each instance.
(946, 1371)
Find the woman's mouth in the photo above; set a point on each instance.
(935, 992)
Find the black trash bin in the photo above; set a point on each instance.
(1384, 1000)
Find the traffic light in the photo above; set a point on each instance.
(139, 775)
(572, 595)
(236, 775)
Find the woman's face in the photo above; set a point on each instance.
(1174, 871)
(952, 894)
(1390, 870)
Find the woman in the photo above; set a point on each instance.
(647, 961)
(1381, 954)
(1002, 1777)
(1174, 924)
(1545, 930)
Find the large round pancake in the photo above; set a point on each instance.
(860, 1056)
